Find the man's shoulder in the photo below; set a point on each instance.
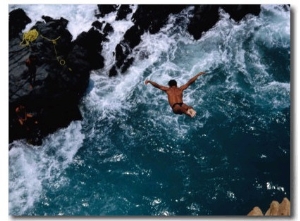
(174, 90)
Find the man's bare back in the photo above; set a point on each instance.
(175, 95)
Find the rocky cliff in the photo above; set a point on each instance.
(44, 91)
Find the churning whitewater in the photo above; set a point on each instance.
(130, 155)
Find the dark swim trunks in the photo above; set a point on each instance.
(180, 104)
(178, 111)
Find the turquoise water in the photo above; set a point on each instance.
(132, 156)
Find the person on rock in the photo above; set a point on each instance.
(30, 123)
(175, 95)
(22, 114)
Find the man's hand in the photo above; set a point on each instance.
(200, 74)
(192, 80)
(154, 84)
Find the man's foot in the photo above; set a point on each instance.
(191, 112)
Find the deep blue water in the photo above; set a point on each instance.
(132, 156)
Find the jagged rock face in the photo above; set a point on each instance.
(205, 17)
(123, 11)
(62, 74)
(106, 9)
(17, 22)
(153, 17)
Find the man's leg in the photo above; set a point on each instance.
(188, 110)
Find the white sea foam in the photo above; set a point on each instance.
(276, 94)
(33, 168)
(278, 31)
(120, 27)
(80, 17)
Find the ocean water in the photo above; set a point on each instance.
(130, 155)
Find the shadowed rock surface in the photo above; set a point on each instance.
(62, 75)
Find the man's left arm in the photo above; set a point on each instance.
(192, 80)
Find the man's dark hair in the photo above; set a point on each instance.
(172, 83)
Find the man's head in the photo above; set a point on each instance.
(172, 83)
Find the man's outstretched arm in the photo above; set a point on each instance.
(192, 80)
(154, 84)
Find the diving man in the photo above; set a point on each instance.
(175, 95)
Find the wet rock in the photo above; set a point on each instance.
(108, 29)
(17, 22)
(123, 50)
(106, 9)
(91, 42)
(238, 12)
(153, 17)
(62, 76)
(275, 209)
(97, 24)
(205, 17)
(123, 11)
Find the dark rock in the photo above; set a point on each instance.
(205, 17)
(108, 29)
(62, 76)
(127, 63)
(106, 9)
(238, 12)
(17, 22)
(121, 53)
(153, 17)
(286, 7)
(97, 24)
(113, 71)
(132, 37)
(91, 41)
(123, 11)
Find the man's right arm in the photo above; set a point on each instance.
(154, 84)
